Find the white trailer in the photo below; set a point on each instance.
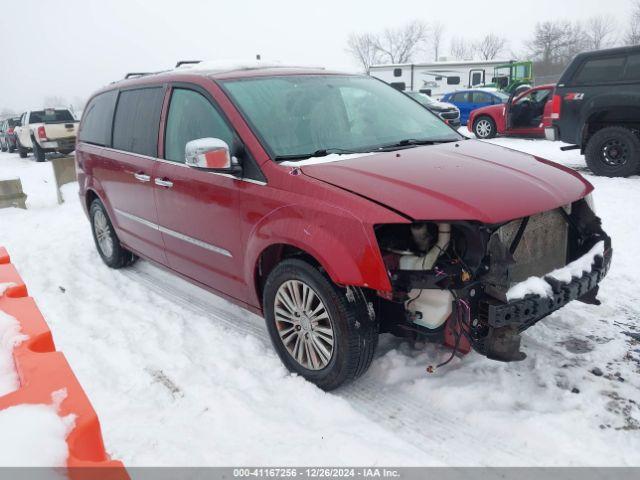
(437, 78)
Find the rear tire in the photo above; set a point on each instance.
(330, 308)
(38, 152)
(484, 127)
(106, 240)
(613, 152)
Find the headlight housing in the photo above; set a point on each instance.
(590, 202)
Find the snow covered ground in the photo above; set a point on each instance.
(179, 376)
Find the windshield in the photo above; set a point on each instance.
(299, 115)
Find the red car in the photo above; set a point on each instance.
(526, 115)
(336, 207)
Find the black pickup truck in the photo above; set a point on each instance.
(596, 108)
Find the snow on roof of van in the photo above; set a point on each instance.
(232, 65)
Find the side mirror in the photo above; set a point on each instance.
(211, 154)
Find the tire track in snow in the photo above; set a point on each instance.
(405, 416)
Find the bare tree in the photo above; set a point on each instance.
(555, 42)
(461, 49)
(599, 32)
(435, 38)
(54, 101)
(578, 41)
(399, 45)
(364, 50)
(632, 37)
(490, 46)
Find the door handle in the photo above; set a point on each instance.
(163, 182)
(142, 177)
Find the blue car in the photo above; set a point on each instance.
(469, 100)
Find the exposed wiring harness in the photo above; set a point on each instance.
(461, 328)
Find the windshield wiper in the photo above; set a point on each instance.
(323, 152)
(412, 142)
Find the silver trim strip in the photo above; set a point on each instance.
(248, 180)
(173, 233)
(138, 219)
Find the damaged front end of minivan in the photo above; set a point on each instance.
(474, 285)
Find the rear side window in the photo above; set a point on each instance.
(97, 119)
(191, 116)
(481, 97)
(459, 98)
(632, 70)
(137, 121)
(600, 70)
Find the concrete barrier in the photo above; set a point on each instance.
(11, 194)
(64, 171)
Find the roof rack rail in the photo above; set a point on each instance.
(136, 74)
(187, 62)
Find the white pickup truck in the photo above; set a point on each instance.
(47, 130)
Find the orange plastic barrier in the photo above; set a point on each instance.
(42, 370)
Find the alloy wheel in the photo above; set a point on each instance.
(304, 325)
(103, 233)
(483, 128)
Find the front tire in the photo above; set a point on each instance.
(106, 240)
(613, 152)
(320, 331)
(484, 127)
(3, 147)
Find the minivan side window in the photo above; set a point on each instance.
(600, 70)
(97, 119)
(632, 70)
(191, 116)
(137, 121)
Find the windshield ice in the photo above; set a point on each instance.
(302, 114)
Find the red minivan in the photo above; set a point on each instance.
(336, 207)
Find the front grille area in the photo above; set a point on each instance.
(449, 115)
(543, 246)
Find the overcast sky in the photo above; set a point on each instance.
(70, 48)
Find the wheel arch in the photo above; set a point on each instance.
(601, 116)
(345, 253)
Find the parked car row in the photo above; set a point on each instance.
(39, 131)
(8, 136)
(595, 107)
(335, 206)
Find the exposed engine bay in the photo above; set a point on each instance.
(453, 281)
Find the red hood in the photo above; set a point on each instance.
(497, 109)
(470, 180)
